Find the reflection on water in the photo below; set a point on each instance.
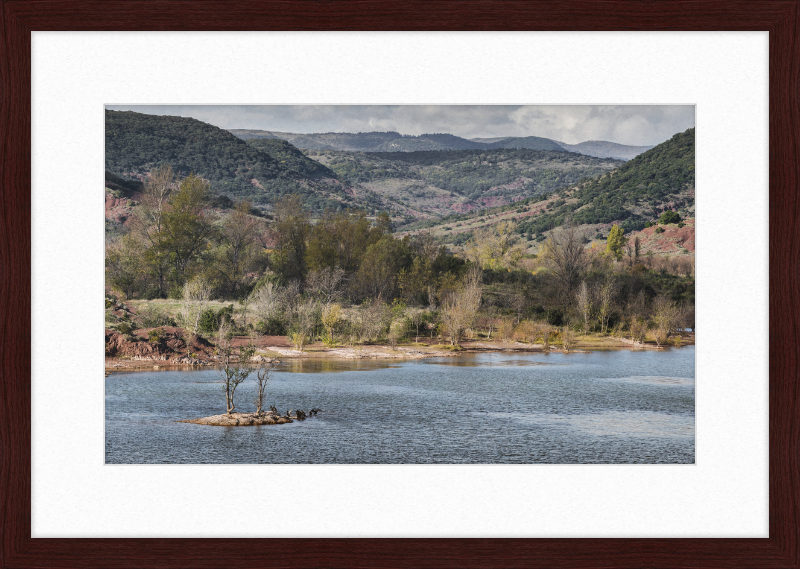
(460, 362)
(327, 365)
(602, 407)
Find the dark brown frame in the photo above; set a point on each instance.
(780, 17)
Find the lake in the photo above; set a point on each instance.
(616, 406)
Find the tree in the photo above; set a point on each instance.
(460, 307)
(565, 256)
(380, 267)
(196, 296)
(186, 228)
(304, 322)
(268, 303)
(605, 297)
(418, 318)
(331, 316)
(263, 372)
(585, 305)
(147, 222)
(291, 228)
(666, 317)
(326, 283)
(235, 369)
(494, 247)
(238, 247)
(616, 242)
(567, 339)
(125, 265)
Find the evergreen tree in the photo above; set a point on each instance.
(615, 243)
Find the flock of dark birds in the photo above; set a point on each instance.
(296, 413)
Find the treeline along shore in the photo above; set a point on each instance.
(185, 274)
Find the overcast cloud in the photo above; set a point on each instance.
(636, 125)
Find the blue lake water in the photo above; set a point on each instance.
(601, 407)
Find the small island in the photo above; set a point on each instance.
(252, 419)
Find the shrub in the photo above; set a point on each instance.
(669, 217)
(154, 336)
(272, 327)
(211, 320)
(125, 329)
(681, 224)
(659, 230)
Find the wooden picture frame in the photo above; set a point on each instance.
(781, 18)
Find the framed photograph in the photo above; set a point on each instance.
(93, 484)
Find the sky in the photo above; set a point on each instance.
(636, 125)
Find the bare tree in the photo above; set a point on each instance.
(666, 317)
(196, 297)
(567, 339)
(629, 249)
(417, 318)
(543, 330)
(605, 298)
(585, 305)
(263, 372)
(326, 283)
(505, 330)
(235, 367)
(147, 222)
(268, 302)
(375, 317)
(460, 307)
(157, 189)
(527, 331)
(304, 320)
(638, 329)
(565, 256)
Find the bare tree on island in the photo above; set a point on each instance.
(235, 369)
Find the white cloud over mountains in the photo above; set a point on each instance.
(636, 125)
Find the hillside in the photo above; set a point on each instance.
(137, 143)
(432, 184)
(638, 191)
(396, 142)
(291, 157)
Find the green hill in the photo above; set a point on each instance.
(638, 191)
(290, 157)
(136, 143)
(528, 142)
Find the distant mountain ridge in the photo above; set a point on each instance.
(395, 142)
(604, 149)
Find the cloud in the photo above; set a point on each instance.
(624, 124)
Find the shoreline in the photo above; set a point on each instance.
(382, 352)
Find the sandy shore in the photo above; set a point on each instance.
(278, 348)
